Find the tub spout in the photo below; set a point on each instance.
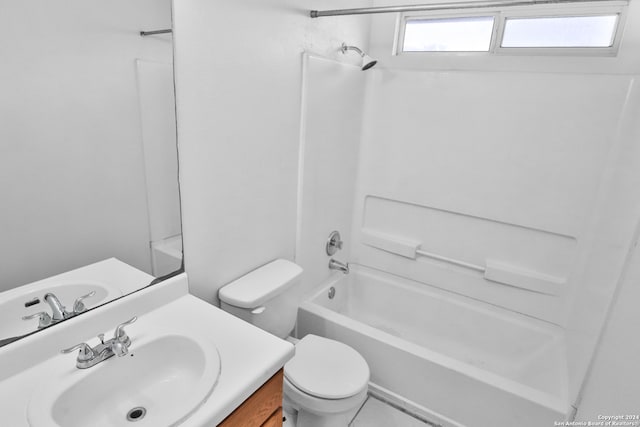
(339, 266)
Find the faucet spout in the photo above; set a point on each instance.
(58, 311)
(338, 266)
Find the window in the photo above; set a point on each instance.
(594, 29)
(472, 34)
(566, 31)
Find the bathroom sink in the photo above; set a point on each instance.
(109, 279)
(162, 381)
(13, 306)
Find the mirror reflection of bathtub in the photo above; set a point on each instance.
(166, 256)
(442, 351)
(109, 279)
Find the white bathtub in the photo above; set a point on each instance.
(454, 360)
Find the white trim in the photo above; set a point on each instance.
(476, 13)
(398, 35)
(553, 12)
(302, 143)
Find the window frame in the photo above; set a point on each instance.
(555, 12)
(472, 13)
(609, 7)
(492, 39)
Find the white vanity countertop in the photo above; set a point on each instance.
(249, 356)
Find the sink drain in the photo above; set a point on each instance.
(136, 414)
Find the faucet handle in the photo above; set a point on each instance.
(78, 305)
(334, 243)
(86, 352)
(120, 334)
(44, 319)
(119, 348)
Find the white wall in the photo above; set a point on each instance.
(332, 102)
(513, 167)
(613, 386)
(71, 158)
(238, 83)
(604, 272)
(486, 166)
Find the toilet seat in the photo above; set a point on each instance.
(327, 369)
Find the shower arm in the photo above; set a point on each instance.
(344, 48)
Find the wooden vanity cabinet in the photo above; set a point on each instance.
(275, 420)
(262, 409)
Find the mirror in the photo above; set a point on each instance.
(88, 168)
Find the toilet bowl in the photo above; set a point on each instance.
(326, 381)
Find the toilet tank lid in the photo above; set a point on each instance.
(260, 285)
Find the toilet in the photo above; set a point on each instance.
(326, 381)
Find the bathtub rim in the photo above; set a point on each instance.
(521, 319)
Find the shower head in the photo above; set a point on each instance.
(367, 61)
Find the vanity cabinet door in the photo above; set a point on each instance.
(275, 420)
(262, 409)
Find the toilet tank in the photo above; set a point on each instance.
(264, 297)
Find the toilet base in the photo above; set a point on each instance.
(309, 411)
(290, 416)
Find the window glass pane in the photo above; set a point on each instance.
(567, 31)
(471, 34)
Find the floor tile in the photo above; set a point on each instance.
(376, 413)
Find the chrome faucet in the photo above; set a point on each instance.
(339, 266)
(334, 244)
(118, 346)
(58, 311)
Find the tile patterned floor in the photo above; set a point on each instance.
(375, 413)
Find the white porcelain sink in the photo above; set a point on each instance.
(12, 306)
(109, 279)
(168, 376)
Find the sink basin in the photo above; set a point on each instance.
(161, 382)
(12, 304)
(109, 279)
